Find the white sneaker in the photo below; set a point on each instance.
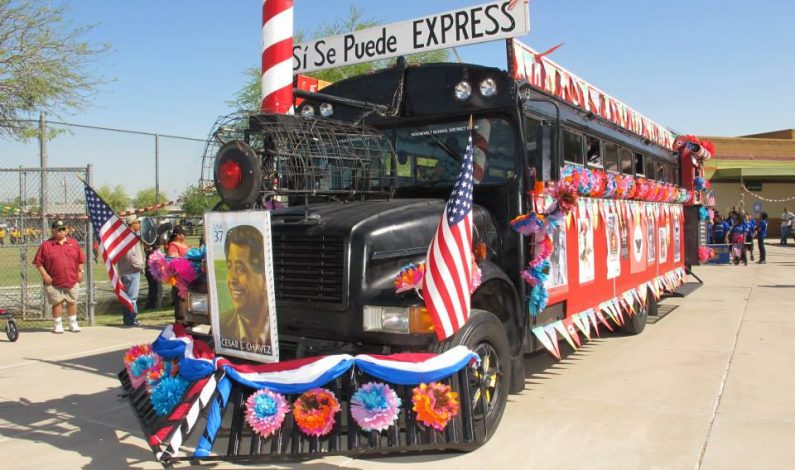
(58, 328)
(75, 327)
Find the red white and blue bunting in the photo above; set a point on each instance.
(208, 374)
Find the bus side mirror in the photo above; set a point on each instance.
(547, 164)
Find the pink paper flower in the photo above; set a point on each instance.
(375, 406)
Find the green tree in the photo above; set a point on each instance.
(117, 197)
(146, 197)
(249, 97)
(196, 202)
(44, 63)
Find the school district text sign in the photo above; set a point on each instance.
(481, 23)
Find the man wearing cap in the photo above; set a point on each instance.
(130, 267)
(60, 262)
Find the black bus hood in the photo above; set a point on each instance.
(331, 259)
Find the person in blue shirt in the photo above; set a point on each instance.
(736, 237)
(750, 228)
(761, 234)
(719, 230)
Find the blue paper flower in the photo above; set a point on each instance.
(167, 394)
(703, 214)
(375, 406)
(699, 184)
(141, 364)
(538, 299)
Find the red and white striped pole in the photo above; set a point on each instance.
(277, 56)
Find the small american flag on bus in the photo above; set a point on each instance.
(448, 267)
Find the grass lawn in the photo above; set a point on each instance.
(159, 318)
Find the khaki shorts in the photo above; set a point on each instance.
(56, 295)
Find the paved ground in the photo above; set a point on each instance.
(710, 384)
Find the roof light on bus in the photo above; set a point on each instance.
(326, 109)
(463, 90)
(488, 87)
(307, 111)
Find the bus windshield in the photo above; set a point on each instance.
(431, 155)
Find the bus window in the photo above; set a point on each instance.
(639, 166)
(649, 167)
(572, 147)
(435, 152)
(594, 154)
(626, 161)
(531, 135)
(611, 157)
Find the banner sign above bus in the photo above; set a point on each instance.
(547, 76)
(471, 25)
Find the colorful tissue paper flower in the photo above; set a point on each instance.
(183, 269)
(611, 185)
(537, 274)
(138, 360)
(543, 250)
(375, 406)
(538, 299)
(584, 180)
(196, 254)
(158, 265)
(265, 411)
(477, 277)
(527, 224)
(167, 394)
(705, 253)
(315, 412)
(161, 369)
(598, 182)
(565, 195)
(702, 213)
(410, 277)
(435, 404)
(699, 184)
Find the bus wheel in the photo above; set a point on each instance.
(635, 324)
(485, 335)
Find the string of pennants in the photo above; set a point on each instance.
(584, 325)
(762, 198)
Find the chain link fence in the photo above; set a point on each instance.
(30, 200)
(32, 197)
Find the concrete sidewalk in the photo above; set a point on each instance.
(709, 385)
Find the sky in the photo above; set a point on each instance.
(721, 68)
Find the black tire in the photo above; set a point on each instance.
(12, 331)
(635, 324)
(485, 335)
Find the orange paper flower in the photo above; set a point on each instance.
(435, 404)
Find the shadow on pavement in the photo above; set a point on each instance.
(94, 425)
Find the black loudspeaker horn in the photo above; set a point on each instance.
(149, 231)
(238, 175)
(164, 233)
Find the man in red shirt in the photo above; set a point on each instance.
(60, 262)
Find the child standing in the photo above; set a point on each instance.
(761, 234)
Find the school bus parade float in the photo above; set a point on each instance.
(582, 215)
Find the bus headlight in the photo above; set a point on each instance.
(488, 87)
(326, 109)
(197, 303)
(463, 90)
(307, 110)
(404, 320)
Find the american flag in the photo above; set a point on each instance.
(448, 269)
(115, 240)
